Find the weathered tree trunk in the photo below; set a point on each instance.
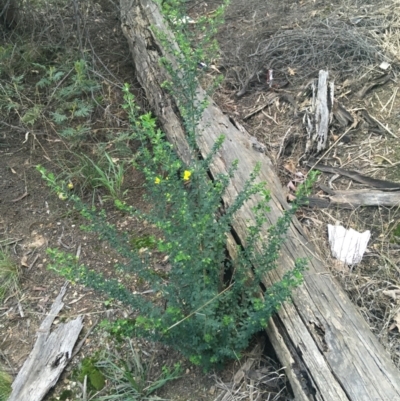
(326, 346)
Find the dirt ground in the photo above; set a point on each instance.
(32, 219)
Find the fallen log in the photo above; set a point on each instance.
(365, 197)
(353, 175)
(352, 199)
(326, 346)
(50, 355)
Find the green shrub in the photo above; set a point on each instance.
(209, 306)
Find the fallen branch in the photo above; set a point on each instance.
(50, 355)
(372, 121)
(363, 179)
(370, 85)
(351, 199)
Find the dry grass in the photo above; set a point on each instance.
(297, 40)
(263, 381)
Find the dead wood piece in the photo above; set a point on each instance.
(320, 203)
(289, 99)
(80, 344)
(245, 368)
(342, 115)
(352, 199)
(372, 182)
(318, 123)
(252, 77)
(325, 344)
(326, 189)
(375, 125)
(357, 198)
(50, 355)
(370, 85)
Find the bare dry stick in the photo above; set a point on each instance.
(258, 109)
(378, 122)
(394, 98)
(333, 145)
(282, 144)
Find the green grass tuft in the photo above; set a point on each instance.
(5, 384)
(10, 274)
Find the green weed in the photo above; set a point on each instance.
(92, 173)
(63, 94)
(108, 174)
(66, 395)
(131, 378)
(9, 275)
(5, 384)
(146, 241)
(95, 378)
(119, 329)
(212, 304)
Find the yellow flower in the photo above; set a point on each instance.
(157, 180)
(70, 185)
(62, 196)
(186, 175)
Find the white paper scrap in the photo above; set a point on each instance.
(384, 65)
(347, 245)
